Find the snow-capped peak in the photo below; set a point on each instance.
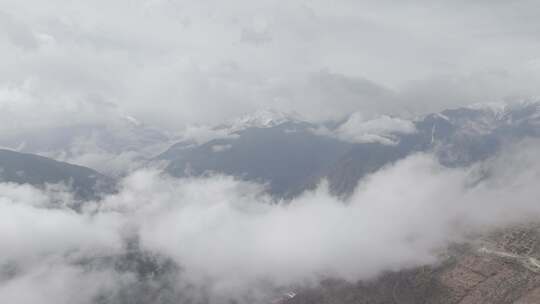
(498, 109)
(502, 110)
(265, 118)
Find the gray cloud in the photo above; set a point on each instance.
(358, 129)
(172, 63)
(18, 33)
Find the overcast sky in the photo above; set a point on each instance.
(171, 63)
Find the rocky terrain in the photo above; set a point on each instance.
(503, 268)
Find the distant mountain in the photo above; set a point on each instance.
(38, 171)
(292, 155)
(280, 151)
(100, 146)
(458, 137)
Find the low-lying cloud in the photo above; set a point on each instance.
(228, 239)
(382, 129)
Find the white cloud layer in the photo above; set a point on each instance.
(230, 239)
(382, 129)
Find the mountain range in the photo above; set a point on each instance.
(287, 154)
(292, 155)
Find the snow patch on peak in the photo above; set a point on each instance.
(502, 110)
(442, 116)
(497, 108)
(524, 105)
(484, 118)
(265, 118)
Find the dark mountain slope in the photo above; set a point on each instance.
(36, 170)
(458, 137)
(284, 156)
